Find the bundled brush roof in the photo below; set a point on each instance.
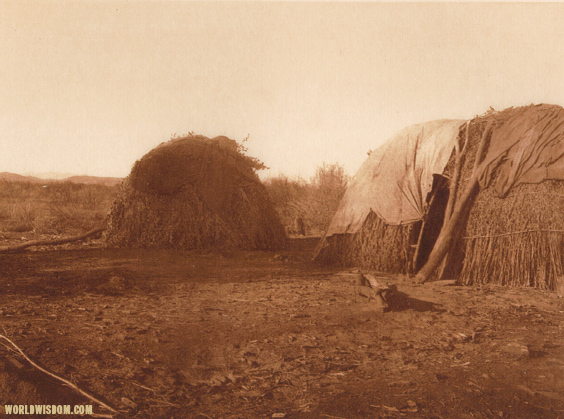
(492, 212)
(195, 192)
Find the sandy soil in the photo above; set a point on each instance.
(168, 334)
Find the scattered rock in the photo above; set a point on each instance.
(128, 403)
(115, 284)
(560, 286)
(516, 349)
(411, 407)
(390, 409)
(401, 383)
(15, 363)
(219, 380)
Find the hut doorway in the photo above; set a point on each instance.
(426, 232)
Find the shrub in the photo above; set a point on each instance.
(314, 201)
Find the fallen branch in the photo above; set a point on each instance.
(66, 382)
(18, 247)
(146, 388)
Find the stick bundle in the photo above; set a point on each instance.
(377, 247)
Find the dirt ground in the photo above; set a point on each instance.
(169, 334)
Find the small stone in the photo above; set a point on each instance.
(516, 349)
(15, 362)
(128, 403)
(560, 286)
(401, 383)
(411, 407)
(390, 409)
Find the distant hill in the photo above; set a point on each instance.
(12, 177)
(88, 180)
(50, 175)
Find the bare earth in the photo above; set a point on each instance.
(169, 334)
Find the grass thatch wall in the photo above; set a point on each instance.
(195, 193)
(377, 246)
(517, 240)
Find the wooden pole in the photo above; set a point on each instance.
(460, 154)
(451, 230)
(453, 190)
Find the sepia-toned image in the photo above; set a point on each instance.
(279, 209)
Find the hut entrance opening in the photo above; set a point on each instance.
(425, 232)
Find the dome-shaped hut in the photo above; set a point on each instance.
(194, 193)
(479, 200)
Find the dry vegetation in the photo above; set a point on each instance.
(195, 193)
(314, 201)
(61, 208)
(517, 240)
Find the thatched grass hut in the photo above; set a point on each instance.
(379, 220)
(514, 231)
(497, 203)
(195, 193)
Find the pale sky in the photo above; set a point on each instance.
(90, 87)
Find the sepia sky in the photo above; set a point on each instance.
(89, 87)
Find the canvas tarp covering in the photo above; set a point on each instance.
(527, 148)
(395, 180)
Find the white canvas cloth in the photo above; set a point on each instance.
(396, 178)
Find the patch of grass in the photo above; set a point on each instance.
(62, 208)
(314, 201)
(22, 217)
